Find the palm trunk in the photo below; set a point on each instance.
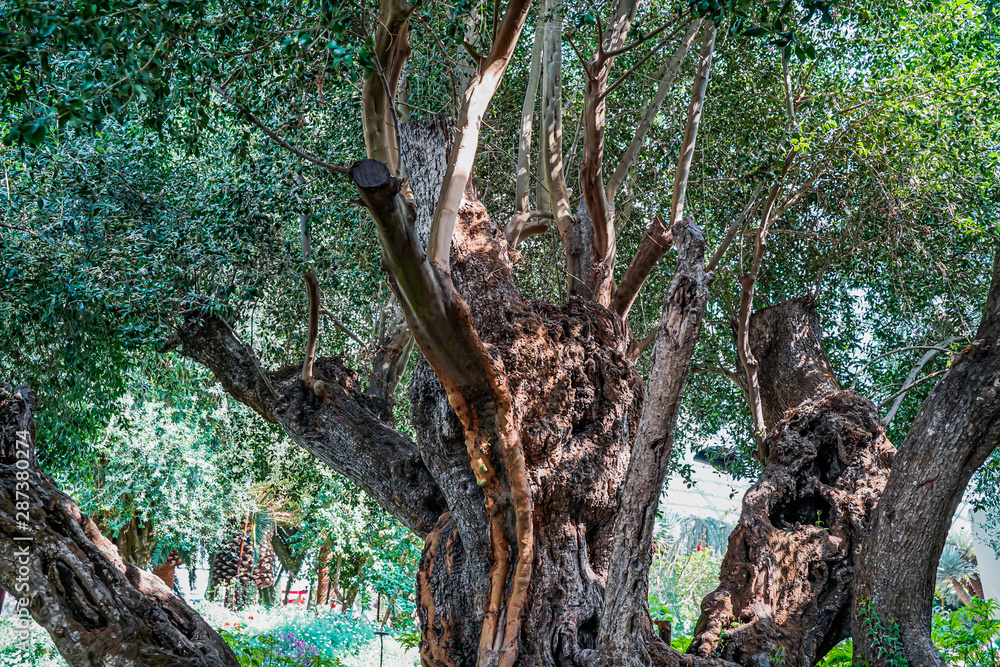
(976, 584)
(166, 573)
(323, 576)
(960, 591)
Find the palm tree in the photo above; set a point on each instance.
(953, 569)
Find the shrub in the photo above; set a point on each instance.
(42, 652)
(966, 636)
(275, 650)
(333, 634)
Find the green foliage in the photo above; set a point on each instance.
(841, 655)
(968, 636)
(686, 561)
(884, 636)
(331, 634)
(680, 642)
(408, 638)
(175, 467)
(41, 653)
(275, 650)
(957, 563)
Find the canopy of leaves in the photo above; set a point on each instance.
(133, 192)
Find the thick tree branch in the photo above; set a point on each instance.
(594, 264)
(442, 326)
(477, 98)
(312, 292)
(748, 284)
(554, 174)
(625, 625)
(392, 48)
(652, 247)
(686, 156)
(389, 365)
(787, 342)
(520, 226)
(346, 429)
(522, 198)
(98, 609)
(670, 71)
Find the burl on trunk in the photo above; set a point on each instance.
(577, 400)
(785, 588)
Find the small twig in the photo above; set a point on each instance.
(892, 352)
(733, 229)
(628, 47)
(717, 370)
(477, 57)
(642, 61)
(447, 60)
(636, 348)
(340, 325)
(19, 229)
(924, 360)
(911, 386)
(277, 139)
(583, 61)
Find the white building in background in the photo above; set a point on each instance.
(715, 495)
(986, 557)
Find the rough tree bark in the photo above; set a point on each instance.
(956, 429)
(99, 610)
(574, 403)
(785, 587)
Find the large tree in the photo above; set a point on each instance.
(541, 434)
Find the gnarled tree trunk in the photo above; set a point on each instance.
(785, 587)
(592, 469)
(99, 610)
(956, 429)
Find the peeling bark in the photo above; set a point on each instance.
(99, 610)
